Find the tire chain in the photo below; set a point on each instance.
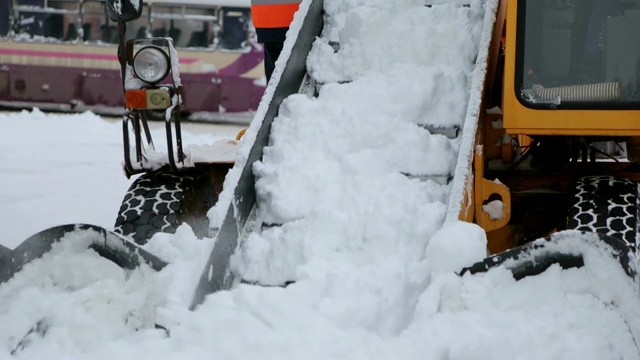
(151, 205)
(606, 205)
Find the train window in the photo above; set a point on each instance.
(235, 28)
(139, 28)
(580, 53)
(189, 27)
(96, 25)
(46, 20)
(4, 19)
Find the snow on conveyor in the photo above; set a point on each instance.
(364, 243)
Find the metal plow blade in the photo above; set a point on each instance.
(560, 248)
(595, 253)
(107, 244)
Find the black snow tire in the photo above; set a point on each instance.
(161, 201)
(606, 205)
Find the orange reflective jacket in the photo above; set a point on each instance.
(269, 14)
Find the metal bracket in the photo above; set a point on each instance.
(484, 190)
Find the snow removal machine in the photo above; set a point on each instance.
(548, 150)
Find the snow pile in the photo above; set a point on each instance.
(374, 268)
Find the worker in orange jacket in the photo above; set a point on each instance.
(272, 19)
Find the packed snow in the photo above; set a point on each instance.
(373, 261)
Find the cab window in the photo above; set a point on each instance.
(578, 53)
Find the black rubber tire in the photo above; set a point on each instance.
(161, 201)
(606, 205)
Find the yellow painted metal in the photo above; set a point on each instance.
(502, 239)
(483, 190)
(466, 210)
(494, 146)
(519, 119)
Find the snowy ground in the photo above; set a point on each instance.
(374, 268)
(73, 161)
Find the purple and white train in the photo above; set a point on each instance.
(61, 54)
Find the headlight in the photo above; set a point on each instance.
(151, 64)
